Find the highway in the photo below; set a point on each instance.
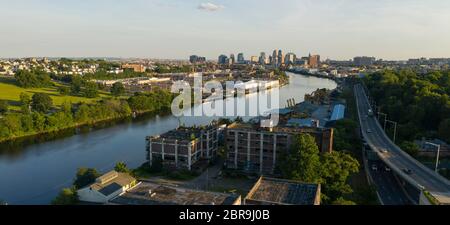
(420, 176)
(389, 190)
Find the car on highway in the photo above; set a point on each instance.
(383, 150)
(387, 169)
(408, 171)
(374, 167)
(369, 131)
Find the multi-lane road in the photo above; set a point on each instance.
(400, 162)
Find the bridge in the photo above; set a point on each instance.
(408, 169)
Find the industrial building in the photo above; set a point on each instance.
(106, 187)
(270, 191)
(184, 147)
(253, 149)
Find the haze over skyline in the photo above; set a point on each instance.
(175, 29)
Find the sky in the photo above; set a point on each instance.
(175, 29)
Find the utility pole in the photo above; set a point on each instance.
(438, 153)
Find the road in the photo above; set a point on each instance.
(389, 190)
(421, 176)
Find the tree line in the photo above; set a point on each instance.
(39, 115)
(419, 102)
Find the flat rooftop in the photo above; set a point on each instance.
(186, 133)
(284, 192)
(148, 193)
(283, 128)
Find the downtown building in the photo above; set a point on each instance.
(195, 59)
(253, 149)
(183, 148)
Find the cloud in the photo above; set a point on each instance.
(208, 6)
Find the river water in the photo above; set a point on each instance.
(35, 173)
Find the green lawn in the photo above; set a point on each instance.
(11, 92)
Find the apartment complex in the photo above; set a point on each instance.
(184, 147)
(256, 150)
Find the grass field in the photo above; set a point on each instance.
(10, 92)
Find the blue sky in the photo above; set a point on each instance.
(337, 29)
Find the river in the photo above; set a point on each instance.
(35, 173)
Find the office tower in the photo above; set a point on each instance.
(254, 59)
(223, 59)
(232, 59)
(262, 58)
(196, 59)
(280, 57)
(290, 58)
(274, 60)
(241, 58)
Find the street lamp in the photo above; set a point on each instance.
(438, 152)
(395, 128)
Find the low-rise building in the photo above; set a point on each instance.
(184, 147)
(254, 149)
(270, 191)
(106, 187)
(147, 193)
(138, 68)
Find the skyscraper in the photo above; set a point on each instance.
(274, 60)
(240, 58)
(223, 59)
(232, 59)
(290, 58)
(280, 57)
(262, 58)
(254, 59)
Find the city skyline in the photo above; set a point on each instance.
(176, 29)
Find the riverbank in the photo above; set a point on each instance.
(304, 73)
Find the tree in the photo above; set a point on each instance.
(75, 86)
(342, 201)
(336, 168)
(32, 79)
(3, 106)
(121, 167)
(302, 162)
(85, 176)
(410, 147)
(67, 196)
(25, 102)
(41, 102)
(444, 130)
(63, 90)
(91, 90)
(117, 89)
